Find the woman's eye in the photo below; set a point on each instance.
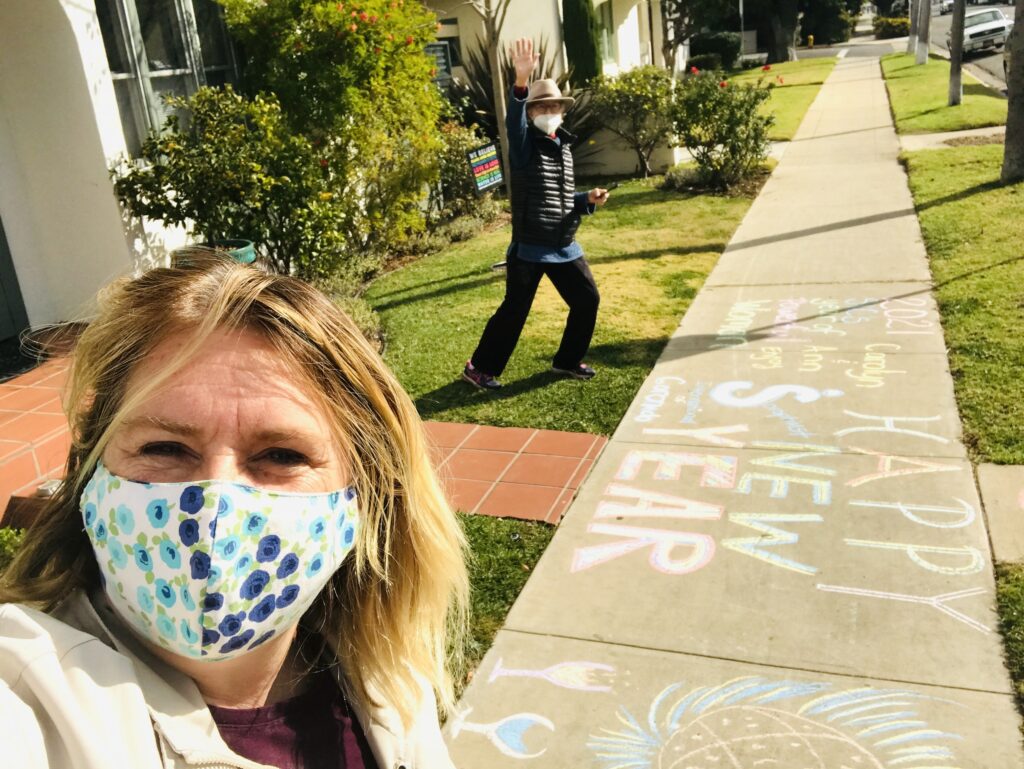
(162, 449)
(285, 457)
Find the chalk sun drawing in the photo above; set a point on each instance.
(757, 723)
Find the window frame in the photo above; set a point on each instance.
(148, 113)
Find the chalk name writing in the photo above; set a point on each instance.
(767, 358)
(693, 402)
(811, 358)
(656, 398)
(793, 425)
(739, 320)
(873, 368)
(786, 316)
(889, 426)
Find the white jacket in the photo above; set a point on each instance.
(76, 695)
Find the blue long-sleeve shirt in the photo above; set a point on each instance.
(520, 149)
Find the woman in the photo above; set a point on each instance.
(250, 562)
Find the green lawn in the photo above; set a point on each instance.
(919, 95)
(796, 85)
(504, 553)
(973, 230)
(650, 252)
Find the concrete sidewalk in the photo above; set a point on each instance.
(780, 559)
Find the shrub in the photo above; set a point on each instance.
(726, 44)
(10, 541)
(704, 61)
(886, 27)
(636, 107)
(681, 177)
(355, 81)
(233, 169)
(455, 192)
(720, 123)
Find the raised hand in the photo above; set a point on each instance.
(524, 60)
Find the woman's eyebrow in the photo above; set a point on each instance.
(169, 425)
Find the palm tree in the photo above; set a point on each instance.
(924, 30)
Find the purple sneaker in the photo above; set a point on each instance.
(479, 379)
(582, 372)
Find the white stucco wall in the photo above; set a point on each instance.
(59, 132)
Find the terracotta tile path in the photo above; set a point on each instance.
(502, 471)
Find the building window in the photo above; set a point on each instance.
(157, 48)
(606, 28)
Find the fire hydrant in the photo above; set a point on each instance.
(810, 41)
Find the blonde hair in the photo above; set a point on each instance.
(394, 611)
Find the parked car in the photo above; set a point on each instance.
(984, 29)
(945, 6)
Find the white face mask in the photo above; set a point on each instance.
(212, 569)
(548, 123)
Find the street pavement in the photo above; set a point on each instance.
(990, 63)
(780, 559)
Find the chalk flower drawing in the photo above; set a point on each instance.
(756, 723)
(508, 735)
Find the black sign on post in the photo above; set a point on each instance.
(486, 168)
(441, 53)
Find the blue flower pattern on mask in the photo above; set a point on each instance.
(212, 569)
(188, 532)
(157, 513)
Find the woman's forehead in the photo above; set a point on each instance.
(232, 371)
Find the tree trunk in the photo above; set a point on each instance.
(1013, 153)
(784, 21)
(645, 164)
(924, 31)
(669, 47)
(911, 41)
(956, 53)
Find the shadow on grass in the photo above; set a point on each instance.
(961, 194)
(624, 354)
(484, 276)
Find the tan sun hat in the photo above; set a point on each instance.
(546, 91)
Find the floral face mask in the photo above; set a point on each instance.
(212, 569)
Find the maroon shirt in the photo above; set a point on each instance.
(314, 730)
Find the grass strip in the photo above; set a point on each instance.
(919, 95)
(650, 251)
(796, 85)
(973, 231)
(503, 554)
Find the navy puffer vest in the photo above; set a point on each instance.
(543, 213)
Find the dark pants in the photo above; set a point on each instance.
(574, 284)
